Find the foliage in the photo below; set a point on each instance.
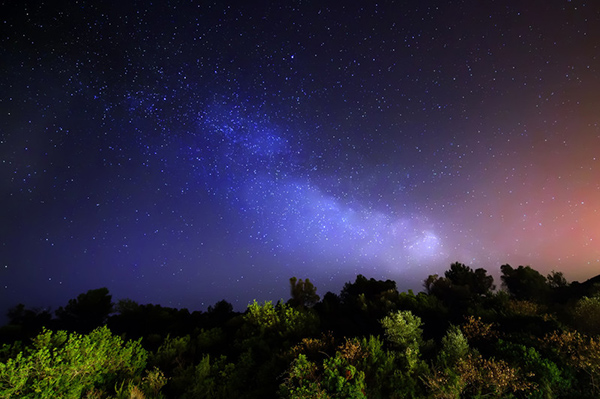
(491, 377)
(537, 339)
(313, 347)
(174, 353)
(211, 339)
(461, 287)
(477, 282)
(369, 296)
(303, 381)
(71, 365)
(455, 347)
(525, 283)
(403, 330)
(359, 368)
(370, 288)
(337, 377)
(524, 308)
(556, 279)
(388, 374)
(462, 372)
(219, 314)
(149, 387)
(213, 379)
(28, 322)
(304, 293)
(586, 315)
(88, 311)
(476, 330)
(444, 380)
(551, 382)
(580, 352)
(281, 321)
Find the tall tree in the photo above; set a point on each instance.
(557, 280)
(304, 293)
(88, 311)
(525, 283)
(477, 281)
(461, 285)
(368, 291)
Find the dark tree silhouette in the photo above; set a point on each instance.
(525, 283)
(476, 281)
(461, 286)
(218, 314)
(557, 280)
(28, 318)
(304, 293)
(369, 289)
(24, 323)
(88, 311)
(365, 302)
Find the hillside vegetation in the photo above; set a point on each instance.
(535, 337)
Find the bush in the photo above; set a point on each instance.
(58, 365)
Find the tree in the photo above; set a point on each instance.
(28, 322)
(430, 282)
(88, 311)
(219, 314)
(281, 321)
(556, 280)
(445, 379)
(127, 306)
(477, 282)
(460, 289)
(455, 347)
(371, 289)
(337, 377)
(304, 293)
(525, 283)
(403, 329)
(586, 315)
(370, 297)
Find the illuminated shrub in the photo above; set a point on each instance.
(586, 315)
(61, 365)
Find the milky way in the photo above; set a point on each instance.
(184, 153)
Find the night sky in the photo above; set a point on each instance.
(182, 153)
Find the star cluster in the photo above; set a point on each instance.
(185, 152)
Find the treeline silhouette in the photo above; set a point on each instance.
(536, 337)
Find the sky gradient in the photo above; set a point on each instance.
(186, 152)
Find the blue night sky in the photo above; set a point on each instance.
(183, 152)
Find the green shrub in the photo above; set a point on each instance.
(61, 365)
